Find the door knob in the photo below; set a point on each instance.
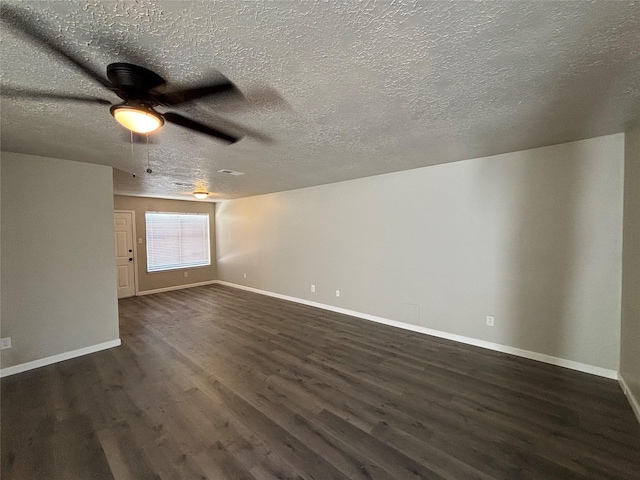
(130, 250)
(131, 259)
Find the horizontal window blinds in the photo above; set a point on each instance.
(176, 240)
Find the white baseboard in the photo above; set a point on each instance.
(175, 287)
(635, 404)
(43, 362)
(541, 357)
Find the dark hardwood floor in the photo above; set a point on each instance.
(219, 383)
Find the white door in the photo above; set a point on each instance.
(123, 223)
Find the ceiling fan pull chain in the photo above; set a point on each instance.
(133, 162)
(148, 166)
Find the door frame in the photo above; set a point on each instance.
(135, 249)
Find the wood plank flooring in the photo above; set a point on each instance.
(214, 382)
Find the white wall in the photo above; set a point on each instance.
(58, 276)
(630, 348)
(532, 237)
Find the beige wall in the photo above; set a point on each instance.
(58, 276)
(532, 237)
(630, 346)
(152, 281)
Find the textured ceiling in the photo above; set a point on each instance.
(336, 90)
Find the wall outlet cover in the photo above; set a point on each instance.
(5, 343)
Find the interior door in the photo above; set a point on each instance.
(123, 223)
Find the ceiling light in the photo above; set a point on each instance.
(201, 195)
(137, 118)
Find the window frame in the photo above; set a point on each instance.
(181, 266)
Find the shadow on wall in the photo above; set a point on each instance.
(234, 248)
(541, 277)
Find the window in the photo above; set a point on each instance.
(177, 240)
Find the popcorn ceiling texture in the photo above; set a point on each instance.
(366, 88)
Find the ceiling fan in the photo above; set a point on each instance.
(140, 89)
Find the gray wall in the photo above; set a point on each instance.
(152, 281)
(630, 346)
(58, 276)
(532, 237)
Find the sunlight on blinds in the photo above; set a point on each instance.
(177, 240)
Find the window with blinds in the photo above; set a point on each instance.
(177, 240)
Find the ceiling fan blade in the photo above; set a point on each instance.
(233, 126)
(198, 127)
(36, 95)
(185, 95)
(258, 97)
(19, 19)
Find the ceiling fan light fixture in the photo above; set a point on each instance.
(201, 195)
(137, 118)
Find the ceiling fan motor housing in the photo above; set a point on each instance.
(132, 82)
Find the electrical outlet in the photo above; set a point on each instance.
(186, 274)
(244, 275)
(337, 293)
(490, 320)
(313, 288)
(5, 343)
